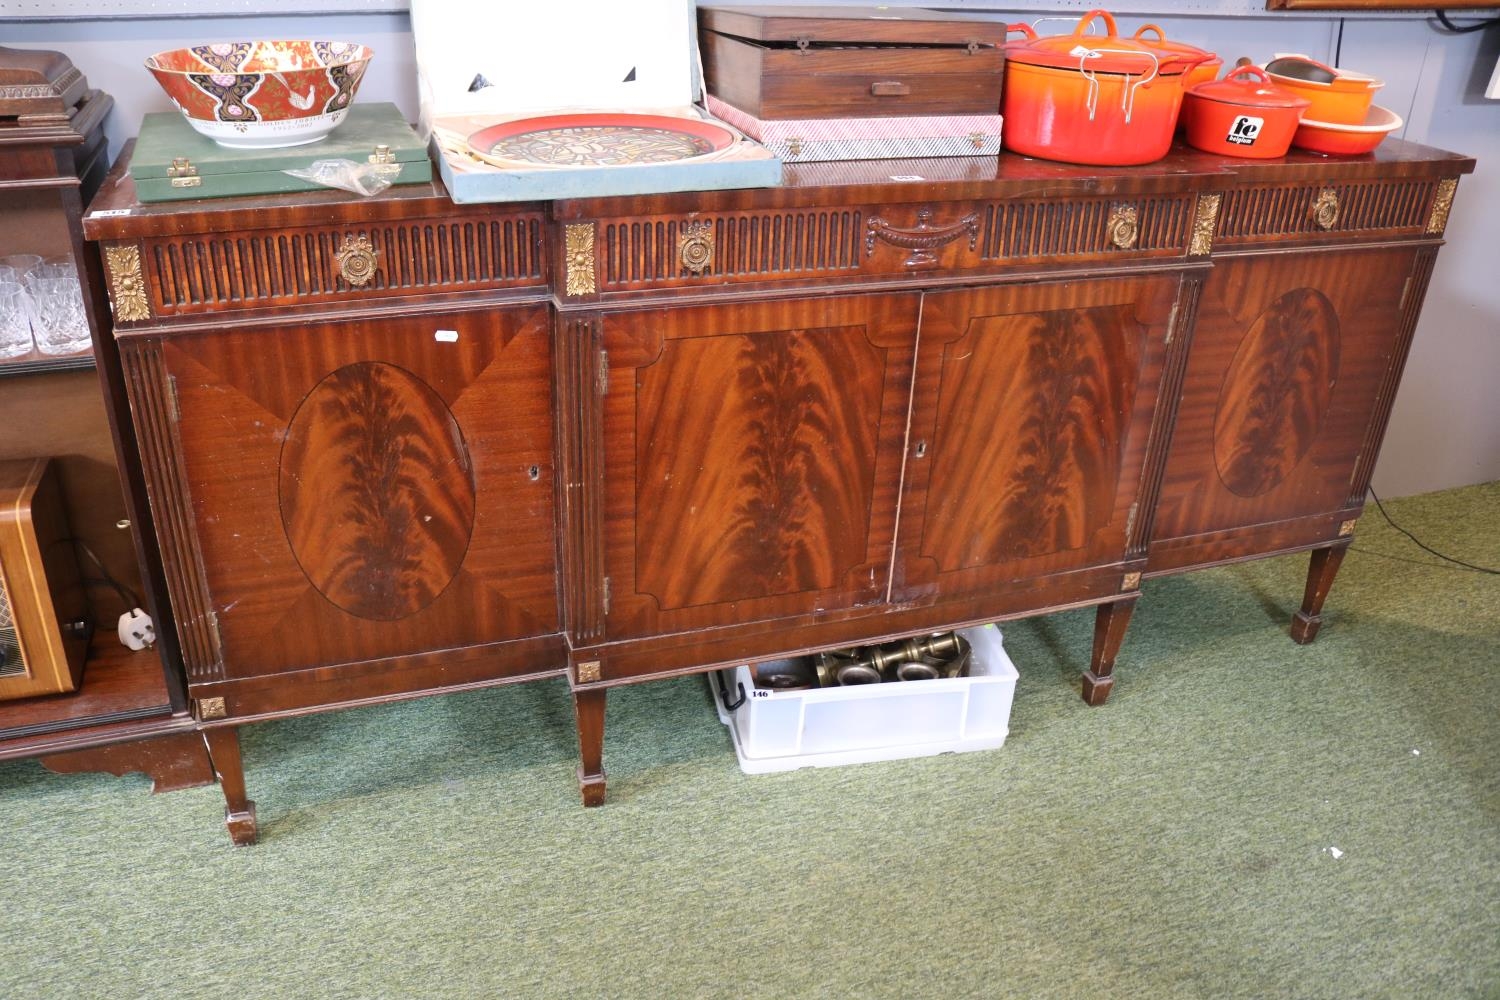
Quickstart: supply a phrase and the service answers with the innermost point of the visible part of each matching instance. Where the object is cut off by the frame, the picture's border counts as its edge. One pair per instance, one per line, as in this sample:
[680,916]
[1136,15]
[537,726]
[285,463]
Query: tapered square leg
[1321,570]
[1109,632]
[588,706]
[223,744]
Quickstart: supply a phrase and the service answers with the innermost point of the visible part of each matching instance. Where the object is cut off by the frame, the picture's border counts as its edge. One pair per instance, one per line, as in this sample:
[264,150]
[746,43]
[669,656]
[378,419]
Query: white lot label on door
[1244,130]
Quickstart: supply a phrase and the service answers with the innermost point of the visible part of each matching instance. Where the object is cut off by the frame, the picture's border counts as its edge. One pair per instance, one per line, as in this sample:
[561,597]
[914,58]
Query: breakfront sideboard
[399,446]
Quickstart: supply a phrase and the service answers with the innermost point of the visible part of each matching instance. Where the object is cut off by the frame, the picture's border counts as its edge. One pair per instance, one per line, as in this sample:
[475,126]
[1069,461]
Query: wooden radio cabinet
[399,446]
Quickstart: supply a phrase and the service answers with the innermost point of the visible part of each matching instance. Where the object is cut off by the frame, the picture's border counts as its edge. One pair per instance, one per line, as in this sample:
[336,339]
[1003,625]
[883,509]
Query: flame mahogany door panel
[1292,367]
[364,489]
[1030,420]
[752,456]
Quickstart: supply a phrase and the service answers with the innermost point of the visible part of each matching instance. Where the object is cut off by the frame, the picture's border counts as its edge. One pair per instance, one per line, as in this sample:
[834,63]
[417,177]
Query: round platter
[598,140]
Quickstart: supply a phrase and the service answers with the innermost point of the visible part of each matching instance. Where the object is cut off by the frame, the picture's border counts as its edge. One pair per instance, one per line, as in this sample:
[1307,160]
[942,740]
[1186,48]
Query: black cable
[1338,46]
[1465,29]
[1422,545]
[126,594]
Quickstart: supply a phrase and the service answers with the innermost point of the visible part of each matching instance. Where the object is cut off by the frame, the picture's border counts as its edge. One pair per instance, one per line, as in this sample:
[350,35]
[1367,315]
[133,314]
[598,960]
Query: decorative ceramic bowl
[251,95]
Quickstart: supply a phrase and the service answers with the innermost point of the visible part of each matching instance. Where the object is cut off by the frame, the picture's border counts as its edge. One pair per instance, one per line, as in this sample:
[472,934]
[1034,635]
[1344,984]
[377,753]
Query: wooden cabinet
[1299,341]
[128,711]
[632,438]
[346,429]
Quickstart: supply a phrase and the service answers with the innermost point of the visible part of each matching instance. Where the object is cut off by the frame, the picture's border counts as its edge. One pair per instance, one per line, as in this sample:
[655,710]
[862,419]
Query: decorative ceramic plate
[598,140]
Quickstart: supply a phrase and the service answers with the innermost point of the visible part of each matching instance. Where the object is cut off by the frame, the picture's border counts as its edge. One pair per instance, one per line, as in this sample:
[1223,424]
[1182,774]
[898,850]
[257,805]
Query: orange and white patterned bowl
[258,94]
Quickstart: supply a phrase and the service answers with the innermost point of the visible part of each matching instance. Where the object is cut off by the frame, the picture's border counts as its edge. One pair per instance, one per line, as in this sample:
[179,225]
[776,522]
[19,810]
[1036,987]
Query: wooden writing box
[850,62]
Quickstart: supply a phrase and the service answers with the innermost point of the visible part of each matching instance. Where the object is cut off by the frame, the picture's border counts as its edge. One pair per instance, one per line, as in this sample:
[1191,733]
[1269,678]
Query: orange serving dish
[1338,139]
[1342,101]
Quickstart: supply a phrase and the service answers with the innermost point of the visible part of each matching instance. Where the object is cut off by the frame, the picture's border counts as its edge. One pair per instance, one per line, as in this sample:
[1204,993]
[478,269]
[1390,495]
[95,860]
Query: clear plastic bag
[365,179]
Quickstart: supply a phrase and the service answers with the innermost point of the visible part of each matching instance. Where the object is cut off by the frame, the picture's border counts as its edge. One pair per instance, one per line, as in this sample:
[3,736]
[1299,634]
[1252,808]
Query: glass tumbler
[62,325]
[15,321]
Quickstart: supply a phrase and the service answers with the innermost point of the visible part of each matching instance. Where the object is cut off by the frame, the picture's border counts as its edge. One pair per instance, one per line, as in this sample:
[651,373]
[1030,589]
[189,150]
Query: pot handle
[1024,29]
[1127,97]
[1161,36]
[1088,19]
[1070,20]
[1249,72]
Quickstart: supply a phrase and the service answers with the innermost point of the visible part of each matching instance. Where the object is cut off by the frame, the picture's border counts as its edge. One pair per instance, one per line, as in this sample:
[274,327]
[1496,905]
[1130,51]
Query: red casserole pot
[1244,114]
[1096,99]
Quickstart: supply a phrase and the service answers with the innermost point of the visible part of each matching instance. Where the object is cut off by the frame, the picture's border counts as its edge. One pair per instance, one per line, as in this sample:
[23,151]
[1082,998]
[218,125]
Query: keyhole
[921,449]
[535,472]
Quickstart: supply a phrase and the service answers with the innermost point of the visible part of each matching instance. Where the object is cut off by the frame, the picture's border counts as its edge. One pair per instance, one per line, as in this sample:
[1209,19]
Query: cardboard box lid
[514,58]
[809,26]
[166,136]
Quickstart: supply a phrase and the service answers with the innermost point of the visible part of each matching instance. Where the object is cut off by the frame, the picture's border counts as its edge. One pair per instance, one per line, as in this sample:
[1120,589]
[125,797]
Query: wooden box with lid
[850,62]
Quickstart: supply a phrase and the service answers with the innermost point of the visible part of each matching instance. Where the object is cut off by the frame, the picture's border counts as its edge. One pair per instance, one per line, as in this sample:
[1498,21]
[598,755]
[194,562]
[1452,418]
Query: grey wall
[1445,430]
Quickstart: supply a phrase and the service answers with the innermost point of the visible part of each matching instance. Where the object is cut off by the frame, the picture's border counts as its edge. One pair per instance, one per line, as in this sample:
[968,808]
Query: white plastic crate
[825,727]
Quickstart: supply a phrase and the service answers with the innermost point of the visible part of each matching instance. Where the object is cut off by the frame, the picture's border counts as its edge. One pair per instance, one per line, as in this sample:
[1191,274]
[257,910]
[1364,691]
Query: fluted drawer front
[1313,212]
[916,238]
[250,270]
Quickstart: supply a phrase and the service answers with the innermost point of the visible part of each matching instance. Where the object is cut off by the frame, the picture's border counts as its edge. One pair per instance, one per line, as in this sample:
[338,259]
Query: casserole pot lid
[1107,53]
[1251,87]
[1163,45]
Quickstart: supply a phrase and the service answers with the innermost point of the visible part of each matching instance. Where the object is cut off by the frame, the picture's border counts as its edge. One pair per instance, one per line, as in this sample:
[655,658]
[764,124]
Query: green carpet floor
[1176,843]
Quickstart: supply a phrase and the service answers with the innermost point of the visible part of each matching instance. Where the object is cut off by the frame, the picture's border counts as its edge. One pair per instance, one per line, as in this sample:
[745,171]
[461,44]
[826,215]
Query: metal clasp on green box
[174,163]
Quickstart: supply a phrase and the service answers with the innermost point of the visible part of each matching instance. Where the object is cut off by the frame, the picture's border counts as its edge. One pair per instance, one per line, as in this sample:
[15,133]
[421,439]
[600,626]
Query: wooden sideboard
[398,446]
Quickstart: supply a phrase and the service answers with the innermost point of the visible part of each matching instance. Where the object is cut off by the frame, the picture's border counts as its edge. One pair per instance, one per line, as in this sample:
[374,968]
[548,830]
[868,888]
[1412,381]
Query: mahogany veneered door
[1282,387]
[1029,428]
[752,454]
[366,489]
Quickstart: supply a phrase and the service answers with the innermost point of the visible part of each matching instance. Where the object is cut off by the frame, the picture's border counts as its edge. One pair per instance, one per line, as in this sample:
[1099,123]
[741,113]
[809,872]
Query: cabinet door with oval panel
[358,490]
[1030,429]
[1293,367]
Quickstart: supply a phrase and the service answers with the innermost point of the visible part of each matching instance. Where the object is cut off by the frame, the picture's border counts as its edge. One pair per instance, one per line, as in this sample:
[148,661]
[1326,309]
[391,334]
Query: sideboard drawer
[1310,212]
[167,276]
[852,241]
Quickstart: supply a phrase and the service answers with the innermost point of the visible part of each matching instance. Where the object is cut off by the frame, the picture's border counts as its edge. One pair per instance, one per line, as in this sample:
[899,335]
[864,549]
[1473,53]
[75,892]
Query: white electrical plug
[136,629]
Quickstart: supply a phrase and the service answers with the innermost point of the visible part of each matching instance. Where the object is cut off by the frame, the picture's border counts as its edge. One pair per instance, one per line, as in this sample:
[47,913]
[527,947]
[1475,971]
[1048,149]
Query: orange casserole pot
[1244,114]
[1091,99]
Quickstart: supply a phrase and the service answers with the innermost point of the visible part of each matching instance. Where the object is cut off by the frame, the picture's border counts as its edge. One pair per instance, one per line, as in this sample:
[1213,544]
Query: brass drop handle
[890,88]
[695,246]
[1123,227]
[357,260]
[1325,210]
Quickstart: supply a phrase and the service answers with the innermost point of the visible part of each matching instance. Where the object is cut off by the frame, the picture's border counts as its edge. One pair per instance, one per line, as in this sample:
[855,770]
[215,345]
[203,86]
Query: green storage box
[208,170]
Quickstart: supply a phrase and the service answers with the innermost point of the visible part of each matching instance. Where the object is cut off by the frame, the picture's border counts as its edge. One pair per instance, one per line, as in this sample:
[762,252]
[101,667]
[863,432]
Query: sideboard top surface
[117,214]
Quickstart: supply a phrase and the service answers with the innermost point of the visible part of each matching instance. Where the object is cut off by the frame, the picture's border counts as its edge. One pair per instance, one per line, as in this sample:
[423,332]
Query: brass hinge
[1130,519]
[174,405]
[382,155]
[606,595]
[603,373]
[213,627]
[183,173]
